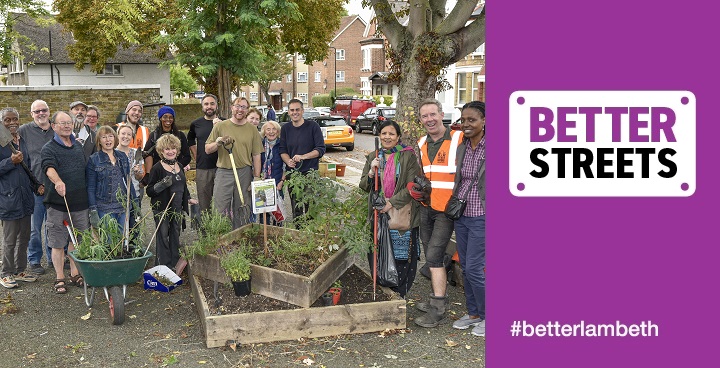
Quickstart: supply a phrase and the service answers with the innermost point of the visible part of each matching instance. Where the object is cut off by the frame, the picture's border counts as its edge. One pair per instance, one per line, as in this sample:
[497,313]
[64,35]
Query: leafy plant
[214,225]
[236,265]
[104,242]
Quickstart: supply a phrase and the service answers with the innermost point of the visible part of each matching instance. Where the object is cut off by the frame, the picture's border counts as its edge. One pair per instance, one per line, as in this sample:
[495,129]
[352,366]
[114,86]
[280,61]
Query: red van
[350,108]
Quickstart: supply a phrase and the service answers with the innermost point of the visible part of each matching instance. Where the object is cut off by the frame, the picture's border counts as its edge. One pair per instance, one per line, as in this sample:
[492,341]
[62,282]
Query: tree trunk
[224,92]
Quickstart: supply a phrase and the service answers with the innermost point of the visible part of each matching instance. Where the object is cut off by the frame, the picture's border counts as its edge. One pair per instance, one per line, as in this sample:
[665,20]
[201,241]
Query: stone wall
[111,100]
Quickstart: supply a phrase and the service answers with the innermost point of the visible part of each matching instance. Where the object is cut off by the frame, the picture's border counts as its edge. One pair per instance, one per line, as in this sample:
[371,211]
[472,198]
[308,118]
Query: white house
[43,60]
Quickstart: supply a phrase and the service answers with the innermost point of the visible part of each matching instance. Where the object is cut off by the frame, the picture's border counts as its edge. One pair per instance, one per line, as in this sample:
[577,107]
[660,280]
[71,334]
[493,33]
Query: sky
[355,7]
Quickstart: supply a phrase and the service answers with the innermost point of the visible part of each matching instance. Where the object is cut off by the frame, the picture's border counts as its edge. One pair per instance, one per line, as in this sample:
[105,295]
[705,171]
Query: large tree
[429,41]
[34,9]
[220,41]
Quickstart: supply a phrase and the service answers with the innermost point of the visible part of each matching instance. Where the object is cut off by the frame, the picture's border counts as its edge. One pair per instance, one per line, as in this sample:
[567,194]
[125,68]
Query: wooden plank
[201,303]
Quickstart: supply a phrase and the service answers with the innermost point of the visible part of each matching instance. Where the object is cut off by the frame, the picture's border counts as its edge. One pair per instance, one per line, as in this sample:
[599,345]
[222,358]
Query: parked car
[336,132]
[324,111]
[310,114]
[350,108]
[373,117]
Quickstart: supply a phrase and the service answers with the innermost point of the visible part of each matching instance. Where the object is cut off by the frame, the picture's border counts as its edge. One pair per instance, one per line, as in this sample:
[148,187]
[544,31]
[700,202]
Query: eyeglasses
[64,123]
[241,107]
[91,117]
[41,111]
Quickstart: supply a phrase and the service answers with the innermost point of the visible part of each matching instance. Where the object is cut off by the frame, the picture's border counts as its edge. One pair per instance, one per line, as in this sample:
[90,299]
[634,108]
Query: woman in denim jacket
[107,172]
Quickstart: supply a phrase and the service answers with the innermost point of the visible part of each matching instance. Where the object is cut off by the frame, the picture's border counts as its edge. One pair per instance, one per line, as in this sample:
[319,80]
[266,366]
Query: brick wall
[111,100]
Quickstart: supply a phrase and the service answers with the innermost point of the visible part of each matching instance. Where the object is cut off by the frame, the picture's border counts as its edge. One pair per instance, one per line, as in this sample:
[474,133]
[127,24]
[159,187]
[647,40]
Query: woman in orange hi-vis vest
[437,155]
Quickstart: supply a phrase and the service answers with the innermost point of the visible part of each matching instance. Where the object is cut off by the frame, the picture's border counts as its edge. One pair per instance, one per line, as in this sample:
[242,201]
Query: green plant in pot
[237,266]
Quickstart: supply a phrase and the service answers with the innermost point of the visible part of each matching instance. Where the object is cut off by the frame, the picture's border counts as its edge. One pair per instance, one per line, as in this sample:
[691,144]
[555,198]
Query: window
[289,78]
[243,94]
[112,69]
[302,97]
[302,77]
[340,76]
[340,54]
[318,76]
[367,59]
[288,96]
[300,57]
[461,88]
[366,88]
[316,94]
[253,96]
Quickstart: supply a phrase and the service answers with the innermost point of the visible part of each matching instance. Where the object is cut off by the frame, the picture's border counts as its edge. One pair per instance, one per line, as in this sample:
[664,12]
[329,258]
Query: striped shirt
[469,171]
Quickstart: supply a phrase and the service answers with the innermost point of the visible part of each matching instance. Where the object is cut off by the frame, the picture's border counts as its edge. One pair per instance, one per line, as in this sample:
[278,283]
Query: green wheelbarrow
[111,274]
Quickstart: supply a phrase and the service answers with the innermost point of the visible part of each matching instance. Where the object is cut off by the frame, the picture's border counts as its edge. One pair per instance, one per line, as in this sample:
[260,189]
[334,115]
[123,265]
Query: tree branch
[437,7]
[418,23]
[384,16]
[470,37]
[458,17]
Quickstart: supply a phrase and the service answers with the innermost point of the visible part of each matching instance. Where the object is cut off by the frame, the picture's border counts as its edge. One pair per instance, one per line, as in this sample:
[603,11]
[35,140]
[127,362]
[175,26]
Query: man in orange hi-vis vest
[437,153]
[133,112]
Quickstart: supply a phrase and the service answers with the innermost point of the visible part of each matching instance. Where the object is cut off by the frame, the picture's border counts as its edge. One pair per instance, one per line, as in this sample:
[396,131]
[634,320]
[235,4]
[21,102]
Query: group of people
[454,164]
[129,159]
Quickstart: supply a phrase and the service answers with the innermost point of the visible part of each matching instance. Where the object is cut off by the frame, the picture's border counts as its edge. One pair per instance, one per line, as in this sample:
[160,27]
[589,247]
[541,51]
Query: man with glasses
[89,130]
[246,149]
[35,134]
[63,161]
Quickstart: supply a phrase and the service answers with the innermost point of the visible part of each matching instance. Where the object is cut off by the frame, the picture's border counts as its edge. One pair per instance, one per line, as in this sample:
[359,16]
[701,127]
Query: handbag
[455,207]
[400,218]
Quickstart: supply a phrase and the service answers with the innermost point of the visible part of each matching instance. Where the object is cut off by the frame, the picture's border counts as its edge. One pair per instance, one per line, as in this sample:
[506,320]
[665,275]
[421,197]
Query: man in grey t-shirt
[35,134]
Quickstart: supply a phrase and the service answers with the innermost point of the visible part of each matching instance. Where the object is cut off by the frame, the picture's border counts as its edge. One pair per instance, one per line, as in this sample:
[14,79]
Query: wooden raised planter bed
[288,287]
[258,327]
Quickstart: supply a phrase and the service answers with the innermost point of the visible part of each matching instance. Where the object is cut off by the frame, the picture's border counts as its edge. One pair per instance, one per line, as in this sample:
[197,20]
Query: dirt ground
[163,329]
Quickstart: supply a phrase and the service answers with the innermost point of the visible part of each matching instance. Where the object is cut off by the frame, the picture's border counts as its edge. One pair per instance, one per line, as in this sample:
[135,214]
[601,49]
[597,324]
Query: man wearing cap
[133,112]
[35,134]
[205,164]
[78,109]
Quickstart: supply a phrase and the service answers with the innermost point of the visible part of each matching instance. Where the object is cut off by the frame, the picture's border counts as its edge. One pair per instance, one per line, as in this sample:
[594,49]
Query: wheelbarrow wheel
[117,305]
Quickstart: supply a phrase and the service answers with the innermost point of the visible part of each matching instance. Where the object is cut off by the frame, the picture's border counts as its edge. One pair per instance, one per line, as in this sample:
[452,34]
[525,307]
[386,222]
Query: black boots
[435,313]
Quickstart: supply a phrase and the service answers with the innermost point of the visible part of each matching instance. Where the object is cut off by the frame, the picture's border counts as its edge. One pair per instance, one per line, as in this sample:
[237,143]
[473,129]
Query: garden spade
[6,139]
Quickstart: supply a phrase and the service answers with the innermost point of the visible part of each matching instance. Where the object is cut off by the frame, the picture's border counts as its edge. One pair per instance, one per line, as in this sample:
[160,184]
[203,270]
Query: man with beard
[205,164]
[78,109]
[246,149]
[35,134]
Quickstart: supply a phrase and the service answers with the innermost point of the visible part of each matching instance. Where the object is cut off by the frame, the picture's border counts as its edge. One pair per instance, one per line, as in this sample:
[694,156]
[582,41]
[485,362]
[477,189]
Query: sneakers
[479,329]
[8,282]
[36,269]
[465,322]
[27,277]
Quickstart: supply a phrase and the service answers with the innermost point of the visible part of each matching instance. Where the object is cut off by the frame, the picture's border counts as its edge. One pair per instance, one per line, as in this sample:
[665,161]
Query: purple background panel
[604,259]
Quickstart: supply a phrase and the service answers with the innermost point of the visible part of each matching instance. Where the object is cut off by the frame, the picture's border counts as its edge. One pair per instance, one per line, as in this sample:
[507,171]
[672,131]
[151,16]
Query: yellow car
[336,132]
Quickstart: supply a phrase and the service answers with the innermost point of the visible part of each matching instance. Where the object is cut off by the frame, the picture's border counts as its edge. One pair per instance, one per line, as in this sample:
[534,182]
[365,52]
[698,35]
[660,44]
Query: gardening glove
[415,192]
[94,218]
[163,184]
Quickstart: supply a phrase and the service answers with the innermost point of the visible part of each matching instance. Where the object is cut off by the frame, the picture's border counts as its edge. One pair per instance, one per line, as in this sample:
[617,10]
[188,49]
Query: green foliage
[236,265]
[104,243]
[335,215]
[180,81]
[322,100]
[34,9]
[387,99]
[214,226]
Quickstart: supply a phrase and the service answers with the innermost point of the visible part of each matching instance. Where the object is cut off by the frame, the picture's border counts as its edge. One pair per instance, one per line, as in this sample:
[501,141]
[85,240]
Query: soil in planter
[356,285]
[303,265]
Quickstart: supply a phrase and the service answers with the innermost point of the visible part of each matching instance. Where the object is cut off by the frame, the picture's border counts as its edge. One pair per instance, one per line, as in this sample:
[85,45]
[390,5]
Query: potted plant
[237,267]
[336,291]
[327,299]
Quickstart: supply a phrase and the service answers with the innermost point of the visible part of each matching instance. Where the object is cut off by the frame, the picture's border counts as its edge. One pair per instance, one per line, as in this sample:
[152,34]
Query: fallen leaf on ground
[390,356]
[450,343]
[308,361]
[233,346]
[86,317]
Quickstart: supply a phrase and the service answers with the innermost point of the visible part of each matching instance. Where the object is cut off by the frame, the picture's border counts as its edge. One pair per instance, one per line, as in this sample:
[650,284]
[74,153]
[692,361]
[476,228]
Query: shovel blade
[5,136]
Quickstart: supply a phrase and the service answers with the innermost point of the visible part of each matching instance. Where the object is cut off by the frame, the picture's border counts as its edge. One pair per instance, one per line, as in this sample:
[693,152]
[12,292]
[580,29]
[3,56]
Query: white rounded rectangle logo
[602,143]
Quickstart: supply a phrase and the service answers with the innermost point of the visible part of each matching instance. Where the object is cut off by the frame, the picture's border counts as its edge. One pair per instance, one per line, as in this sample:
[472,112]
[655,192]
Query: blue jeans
[119,217]
[470,237]
[35,245]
